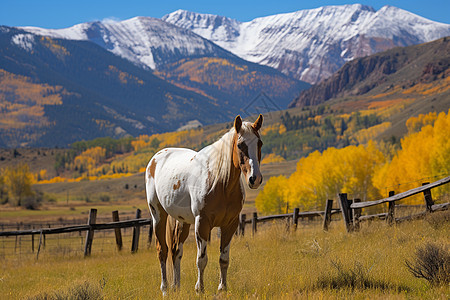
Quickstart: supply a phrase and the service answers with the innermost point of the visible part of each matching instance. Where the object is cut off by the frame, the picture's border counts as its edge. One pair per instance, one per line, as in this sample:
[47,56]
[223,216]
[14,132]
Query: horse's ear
[258,123]
[238,123]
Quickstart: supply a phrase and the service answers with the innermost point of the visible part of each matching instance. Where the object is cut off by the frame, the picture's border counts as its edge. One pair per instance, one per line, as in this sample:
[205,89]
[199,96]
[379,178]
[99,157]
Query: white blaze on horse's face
[248,151]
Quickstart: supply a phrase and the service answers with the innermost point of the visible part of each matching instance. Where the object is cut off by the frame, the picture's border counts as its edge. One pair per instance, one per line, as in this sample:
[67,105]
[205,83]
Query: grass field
[275,264]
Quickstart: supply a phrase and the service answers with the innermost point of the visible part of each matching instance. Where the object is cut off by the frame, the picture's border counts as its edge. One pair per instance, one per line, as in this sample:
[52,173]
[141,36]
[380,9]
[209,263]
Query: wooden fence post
[254,223]
[428,199]
[350,210]
[32,242]
[242,224]
[90,233]
[327,214]
[136,232]
[346,212]
[118,233]
[39,247]
[391,210]
[295,217]
[356,215]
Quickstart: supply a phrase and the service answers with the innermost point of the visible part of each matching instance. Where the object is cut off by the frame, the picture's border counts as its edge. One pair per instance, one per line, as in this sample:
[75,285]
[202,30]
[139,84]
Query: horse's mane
[221,154]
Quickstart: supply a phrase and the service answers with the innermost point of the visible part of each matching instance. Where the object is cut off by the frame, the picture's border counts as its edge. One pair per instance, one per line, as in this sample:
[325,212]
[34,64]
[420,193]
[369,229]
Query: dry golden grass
[275,264]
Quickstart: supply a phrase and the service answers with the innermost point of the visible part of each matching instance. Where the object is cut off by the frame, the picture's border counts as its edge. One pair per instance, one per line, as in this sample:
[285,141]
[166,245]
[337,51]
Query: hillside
[392,71]
[54,92]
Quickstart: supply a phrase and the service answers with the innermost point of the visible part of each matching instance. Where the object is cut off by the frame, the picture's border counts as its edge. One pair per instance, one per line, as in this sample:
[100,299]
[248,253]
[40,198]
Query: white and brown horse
[202,188]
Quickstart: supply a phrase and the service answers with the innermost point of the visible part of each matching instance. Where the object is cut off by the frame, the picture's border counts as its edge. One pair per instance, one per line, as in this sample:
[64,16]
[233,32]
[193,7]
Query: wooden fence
[136,223]
[350,209]
[90,227]
[295,216]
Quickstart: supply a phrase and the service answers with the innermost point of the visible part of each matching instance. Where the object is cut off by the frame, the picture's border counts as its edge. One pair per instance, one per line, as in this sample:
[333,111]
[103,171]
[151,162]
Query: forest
[365,171]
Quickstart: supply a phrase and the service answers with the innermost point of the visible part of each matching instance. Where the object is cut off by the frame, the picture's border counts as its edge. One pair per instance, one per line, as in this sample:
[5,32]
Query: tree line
[364,171]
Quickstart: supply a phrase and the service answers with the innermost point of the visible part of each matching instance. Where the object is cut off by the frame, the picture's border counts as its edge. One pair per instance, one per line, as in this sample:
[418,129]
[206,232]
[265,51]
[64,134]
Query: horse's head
[247,150]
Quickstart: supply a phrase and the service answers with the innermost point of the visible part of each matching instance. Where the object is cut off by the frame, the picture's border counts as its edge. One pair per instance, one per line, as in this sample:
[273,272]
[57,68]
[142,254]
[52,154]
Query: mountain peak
[312,44]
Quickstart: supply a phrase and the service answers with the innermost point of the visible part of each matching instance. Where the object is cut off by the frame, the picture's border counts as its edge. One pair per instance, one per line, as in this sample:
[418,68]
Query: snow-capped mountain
[313,44]
[309,45]
[147,42]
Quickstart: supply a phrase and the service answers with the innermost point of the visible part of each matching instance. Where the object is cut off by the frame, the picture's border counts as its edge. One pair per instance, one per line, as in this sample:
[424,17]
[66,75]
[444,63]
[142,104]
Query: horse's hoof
[164,290]
[199,288]
[222,288]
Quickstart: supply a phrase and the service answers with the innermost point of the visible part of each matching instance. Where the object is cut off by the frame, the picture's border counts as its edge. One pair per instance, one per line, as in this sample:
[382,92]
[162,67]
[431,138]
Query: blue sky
[66,13]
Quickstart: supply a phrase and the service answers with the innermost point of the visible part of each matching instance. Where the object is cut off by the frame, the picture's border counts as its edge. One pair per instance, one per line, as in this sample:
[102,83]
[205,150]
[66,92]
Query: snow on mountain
[145,41]
[25,41]
[313,44]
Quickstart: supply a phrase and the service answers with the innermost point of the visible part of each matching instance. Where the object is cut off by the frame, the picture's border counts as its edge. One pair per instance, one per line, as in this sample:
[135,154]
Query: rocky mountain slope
[405,67]
[313,44]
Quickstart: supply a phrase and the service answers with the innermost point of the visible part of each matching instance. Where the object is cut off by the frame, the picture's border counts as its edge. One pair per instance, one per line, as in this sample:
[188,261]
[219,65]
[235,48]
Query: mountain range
[309,45]
[312,44]
[147,75]
[54,92]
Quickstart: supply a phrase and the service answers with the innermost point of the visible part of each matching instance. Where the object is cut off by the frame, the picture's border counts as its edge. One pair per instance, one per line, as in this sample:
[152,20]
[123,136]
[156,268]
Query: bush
[30,203]
[432,262]
[33,202]
[81,291]
[357,277]
[105,198]
[439,219]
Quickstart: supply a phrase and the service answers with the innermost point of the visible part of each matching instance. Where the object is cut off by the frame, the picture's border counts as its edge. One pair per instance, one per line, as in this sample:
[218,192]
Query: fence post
[350,210]
[356,215]
[428,199]
[40,243]
[327,214]
[295,217]
[345,211]
[242,224]
[254,223]
[90,233]
[32,242]
[391,210]
[136,231]
[118,233]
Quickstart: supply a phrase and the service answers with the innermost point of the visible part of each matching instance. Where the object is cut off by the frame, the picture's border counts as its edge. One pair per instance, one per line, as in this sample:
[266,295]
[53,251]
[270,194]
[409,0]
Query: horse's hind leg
[180,234]
[161,247]
[159,217]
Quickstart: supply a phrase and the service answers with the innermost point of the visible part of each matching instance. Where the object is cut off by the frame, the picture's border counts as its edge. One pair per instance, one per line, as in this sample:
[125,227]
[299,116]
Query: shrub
[438,220]
[33,202]
[357,277]
[105,198]
[432,262]
[80,291]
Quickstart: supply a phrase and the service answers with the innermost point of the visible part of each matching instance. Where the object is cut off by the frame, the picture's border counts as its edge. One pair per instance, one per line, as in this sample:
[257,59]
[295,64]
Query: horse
[203,188]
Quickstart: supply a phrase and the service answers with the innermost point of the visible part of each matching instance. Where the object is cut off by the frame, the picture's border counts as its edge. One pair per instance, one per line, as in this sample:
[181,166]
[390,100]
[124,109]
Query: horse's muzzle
[254,181]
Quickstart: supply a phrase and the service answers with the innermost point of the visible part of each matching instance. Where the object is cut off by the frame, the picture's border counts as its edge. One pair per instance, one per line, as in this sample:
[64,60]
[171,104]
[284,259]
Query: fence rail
[351,209]
[412,192]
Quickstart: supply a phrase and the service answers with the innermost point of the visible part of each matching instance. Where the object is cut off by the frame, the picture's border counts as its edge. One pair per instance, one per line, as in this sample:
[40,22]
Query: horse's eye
[243,147]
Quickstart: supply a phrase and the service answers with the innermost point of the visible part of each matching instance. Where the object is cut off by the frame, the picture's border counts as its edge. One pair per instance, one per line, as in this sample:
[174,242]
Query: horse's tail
[170,240]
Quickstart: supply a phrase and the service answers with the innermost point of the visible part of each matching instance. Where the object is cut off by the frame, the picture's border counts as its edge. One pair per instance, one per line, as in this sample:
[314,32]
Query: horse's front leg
[202,230]
[226,234]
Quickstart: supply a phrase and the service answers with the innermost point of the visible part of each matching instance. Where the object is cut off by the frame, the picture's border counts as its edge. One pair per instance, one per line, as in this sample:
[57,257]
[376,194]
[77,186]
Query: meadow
[274,264]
